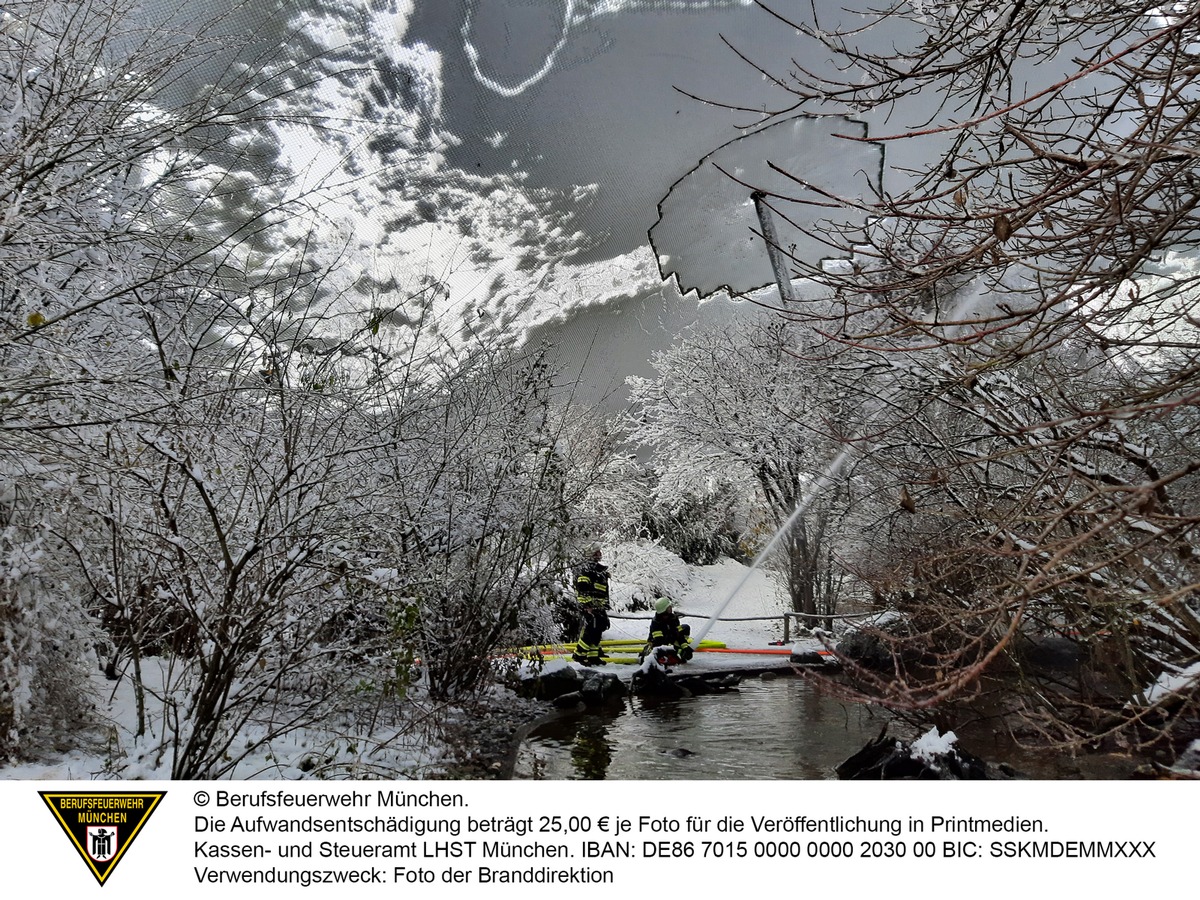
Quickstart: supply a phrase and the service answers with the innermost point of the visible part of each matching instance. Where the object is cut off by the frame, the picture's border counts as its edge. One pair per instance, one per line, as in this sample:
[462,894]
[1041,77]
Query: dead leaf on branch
[1002,228]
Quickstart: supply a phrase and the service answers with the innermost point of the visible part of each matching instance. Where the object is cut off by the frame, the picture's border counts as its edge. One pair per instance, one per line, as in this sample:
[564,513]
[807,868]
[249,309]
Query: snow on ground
[1168,683]
[751,605]
[396,744]
[704,589]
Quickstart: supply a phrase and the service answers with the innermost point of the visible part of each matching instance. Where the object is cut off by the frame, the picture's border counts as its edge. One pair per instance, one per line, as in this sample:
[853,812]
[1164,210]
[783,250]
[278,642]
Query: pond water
[780,728]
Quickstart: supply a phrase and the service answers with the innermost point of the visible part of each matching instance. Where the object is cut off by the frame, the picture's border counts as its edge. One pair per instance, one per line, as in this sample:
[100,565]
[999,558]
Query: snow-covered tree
[250,495]
[88,267]
[739,404]
[1031,279]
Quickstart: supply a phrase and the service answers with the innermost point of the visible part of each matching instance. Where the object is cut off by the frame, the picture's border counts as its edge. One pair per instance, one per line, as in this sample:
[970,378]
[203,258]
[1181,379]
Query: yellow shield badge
[102,824]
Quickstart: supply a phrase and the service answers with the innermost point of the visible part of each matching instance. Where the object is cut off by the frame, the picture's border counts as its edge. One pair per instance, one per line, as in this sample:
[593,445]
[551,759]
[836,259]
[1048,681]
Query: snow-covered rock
[932,756]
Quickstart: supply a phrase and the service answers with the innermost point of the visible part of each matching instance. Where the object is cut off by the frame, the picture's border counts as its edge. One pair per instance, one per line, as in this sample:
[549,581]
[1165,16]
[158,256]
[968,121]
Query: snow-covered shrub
[477,514]
[153,475]
[698,527]
[77,179]
[45,648]
[641,571]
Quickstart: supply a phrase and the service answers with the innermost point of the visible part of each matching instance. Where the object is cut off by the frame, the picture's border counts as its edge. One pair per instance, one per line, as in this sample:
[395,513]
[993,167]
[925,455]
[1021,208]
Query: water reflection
[780,728]
[591,751]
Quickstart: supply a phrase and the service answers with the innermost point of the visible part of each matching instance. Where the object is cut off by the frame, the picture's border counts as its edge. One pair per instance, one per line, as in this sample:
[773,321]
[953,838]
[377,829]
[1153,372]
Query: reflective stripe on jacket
[591,586]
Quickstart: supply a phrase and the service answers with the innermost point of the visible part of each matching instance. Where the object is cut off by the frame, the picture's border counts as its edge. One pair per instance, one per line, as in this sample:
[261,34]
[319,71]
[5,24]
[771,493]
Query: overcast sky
[590,99]
[608,112]
[579,92]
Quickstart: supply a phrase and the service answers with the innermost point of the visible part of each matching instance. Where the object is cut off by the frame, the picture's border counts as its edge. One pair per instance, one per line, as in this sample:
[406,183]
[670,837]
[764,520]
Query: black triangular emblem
[102,824]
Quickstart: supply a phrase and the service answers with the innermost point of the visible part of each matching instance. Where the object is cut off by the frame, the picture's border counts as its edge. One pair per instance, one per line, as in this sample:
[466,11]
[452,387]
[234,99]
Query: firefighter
[591,589]
[667,631]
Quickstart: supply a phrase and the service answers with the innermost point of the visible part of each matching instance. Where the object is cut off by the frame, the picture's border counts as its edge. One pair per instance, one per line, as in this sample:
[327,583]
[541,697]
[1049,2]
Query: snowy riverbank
[410,737]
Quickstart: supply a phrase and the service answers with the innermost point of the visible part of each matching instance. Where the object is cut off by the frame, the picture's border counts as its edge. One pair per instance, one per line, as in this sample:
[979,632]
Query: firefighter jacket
[591,585]
[665,629]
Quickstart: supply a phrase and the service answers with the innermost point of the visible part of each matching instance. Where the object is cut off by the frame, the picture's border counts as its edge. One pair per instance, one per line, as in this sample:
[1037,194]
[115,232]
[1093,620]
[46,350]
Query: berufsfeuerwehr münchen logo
[102,824]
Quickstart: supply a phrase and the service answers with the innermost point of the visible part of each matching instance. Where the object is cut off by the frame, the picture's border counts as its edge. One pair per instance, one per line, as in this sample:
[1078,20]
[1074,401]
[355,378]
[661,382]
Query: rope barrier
[787,619]
[696,616]
[757,618]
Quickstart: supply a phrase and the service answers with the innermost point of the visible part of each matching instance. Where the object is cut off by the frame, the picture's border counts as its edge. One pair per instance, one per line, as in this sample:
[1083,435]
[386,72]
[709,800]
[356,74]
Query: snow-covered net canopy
[708,235]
